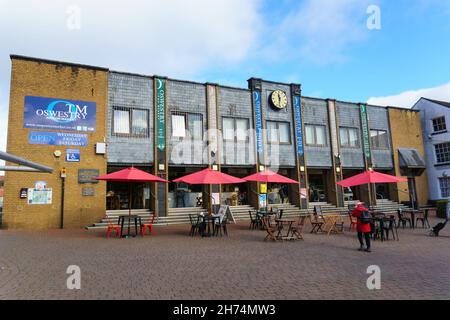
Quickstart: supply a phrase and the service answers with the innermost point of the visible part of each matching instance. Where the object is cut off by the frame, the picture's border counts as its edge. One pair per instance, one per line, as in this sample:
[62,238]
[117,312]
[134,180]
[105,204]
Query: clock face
[279,99]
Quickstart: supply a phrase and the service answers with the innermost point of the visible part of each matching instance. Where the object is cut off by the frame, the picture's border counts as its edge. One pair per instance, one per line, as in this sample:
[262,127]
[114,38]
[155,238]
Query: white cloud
[321,30]
[408,98]
[176,38]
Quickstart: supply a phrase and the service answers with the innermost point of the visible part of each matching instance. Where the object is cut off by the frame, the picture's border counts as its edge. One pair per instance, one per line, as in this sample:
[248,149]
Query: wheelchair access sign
[73,155]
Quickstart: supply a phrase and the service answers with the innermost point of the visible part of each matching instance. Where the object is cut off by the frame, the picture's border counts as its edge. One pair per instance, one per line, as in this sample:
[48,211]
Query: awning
[411,162]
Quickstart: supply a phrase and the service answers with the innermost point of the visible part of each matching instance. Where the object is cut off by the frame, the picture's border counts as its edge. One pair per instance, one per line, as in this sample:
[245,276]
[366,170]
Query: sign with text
[73,155]
[59,114]
[58,139]
[39,196]
[298,125]
[88,175]
[365,127]
[160,114]
[258,124]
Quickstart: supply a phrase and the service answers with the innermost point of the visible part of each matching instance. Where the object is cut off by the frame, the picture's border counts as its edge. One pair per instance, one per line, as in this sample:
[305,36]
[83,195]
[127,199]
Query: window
[442,152]
[278,132]
[444,184]
[439,125]
[315,135]
[130,122]
[379,139]
[349,137]
[235,129]
[189,122]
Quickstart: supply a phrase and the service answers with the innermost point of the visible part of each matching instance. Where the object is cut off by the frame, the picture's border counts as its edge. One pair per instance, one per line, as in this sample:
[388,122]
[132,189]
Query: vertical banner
[298,125]
[258,126]
[160,165]
[161,114]
[365,128]
[301,163]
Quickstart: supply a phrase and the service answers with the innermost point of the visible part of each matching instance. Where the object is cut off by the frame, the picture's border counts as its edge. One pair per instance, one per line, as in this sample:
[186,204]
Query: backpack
[365,217]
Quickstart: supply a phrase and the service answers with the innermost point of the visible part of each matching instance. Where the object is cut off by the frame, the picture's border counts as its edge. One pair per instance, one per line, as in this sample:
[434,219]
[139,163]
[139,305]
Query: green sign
[161,114]
[365,128]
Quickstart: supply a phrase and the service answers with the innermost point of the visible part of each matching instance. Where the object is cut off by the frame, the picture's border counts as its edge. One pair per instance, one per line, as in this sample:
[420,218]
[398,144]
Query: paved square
[172,265]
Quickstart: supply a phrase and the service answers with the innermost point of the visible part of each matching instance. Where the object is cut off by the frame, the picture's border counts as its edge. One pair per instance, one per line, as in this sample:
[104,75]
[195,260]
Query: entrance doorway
[317,186]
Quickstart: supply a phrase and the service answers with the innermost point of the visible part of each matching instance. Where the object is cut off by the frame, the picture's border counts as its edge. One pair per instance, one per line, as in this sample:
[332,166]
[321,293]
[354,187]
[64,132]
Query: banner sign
[365,127]
[59,114]
[58,139]
[258,122]
[73,155]
[161,114]
[298,122]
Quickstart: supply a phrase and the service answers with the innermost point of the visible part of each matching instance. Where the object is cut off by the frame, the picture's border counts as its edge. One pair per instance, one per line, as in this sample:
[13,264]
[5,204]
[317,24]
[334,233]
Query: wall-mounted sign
[298,124]
[263,200]
[40,185]
[258,123]
[43,196]
[23,193]
[58,139]
[278,99]
[59,114]
[73,155]
[88,175]
[88,192]
[160,114]
[263,187]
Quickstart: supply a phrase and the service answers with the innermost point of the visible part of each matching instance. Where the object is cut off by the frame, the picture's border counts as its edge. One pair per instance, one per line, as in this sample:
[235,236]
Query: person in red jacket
[363,226]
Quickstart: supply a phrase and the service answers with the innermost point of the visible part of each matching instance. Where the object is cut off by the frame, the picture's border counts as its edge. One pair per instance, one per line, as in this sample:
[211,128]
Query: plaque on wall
[88,175]
[88,192]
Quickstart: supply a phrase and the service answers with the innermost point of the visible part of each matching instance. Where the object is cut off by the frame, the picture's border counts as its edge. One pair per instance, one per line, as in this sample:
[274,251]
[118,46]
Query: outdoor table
[209,221]
[289,234]
[412,214]
[129,218]
[330,223]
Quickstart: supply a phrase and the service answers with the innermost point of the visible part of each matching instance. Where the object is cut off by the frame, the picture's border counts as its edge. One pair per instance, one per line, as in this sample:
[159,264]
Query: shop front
[236,194]
[182,195]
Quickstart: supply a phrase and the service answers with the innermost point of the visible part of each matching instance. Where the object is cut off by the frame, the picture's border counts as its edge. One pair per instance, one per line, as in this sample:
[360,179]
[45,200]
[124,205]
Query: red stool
[112,227]
[148,226]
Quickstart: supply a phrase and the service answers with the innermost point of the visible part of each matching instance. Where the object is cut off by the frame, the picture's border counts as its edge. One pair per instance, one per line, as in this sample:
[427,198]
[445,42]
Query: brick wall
[51,80]
[406,132]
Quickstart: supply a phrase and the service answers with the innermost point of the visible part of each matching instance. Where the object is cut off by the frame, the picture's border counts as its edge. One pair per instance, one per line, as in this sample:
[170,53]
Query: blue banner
[58,139]
[258,123]
[298,122]
[59,114]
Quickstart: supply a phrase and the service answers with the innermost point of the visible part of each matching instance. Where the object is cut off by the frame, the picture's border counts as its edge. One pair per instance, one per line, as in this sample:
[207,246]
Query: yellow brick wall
[64,82]
[406,130]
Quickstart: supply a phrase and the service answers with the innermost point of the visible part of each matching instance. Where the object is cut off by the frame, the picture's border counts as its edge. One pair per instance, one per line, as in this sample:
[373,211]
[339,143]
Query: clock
[279,99]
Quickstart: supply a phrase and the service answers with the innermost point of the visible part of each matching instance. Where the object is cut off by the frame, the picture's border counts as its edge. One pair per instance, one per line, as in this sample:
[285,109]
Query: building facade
[172,128]
[436,140]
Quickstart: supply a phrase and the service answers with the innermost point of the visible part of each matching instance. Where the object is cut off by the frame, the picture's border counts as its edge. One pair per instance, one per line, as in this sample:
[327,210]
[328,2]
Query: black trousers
[367,238]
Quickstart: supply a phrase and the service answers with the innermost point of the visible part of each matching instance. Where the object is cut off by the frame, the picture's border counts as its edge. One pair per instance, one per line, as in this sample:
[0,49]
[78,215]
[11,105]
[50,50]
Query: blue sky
[323,44]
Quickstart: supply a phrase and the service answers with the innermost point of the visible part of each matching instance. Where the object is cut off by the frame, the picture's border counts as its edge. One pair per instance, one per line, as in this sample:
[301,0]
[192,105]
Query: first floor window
[439,125]
[315,135]
[442,152]
[444,184]
[349,137]
[235,129]
[278,132]
[188,122]
[130,122]
[379,139]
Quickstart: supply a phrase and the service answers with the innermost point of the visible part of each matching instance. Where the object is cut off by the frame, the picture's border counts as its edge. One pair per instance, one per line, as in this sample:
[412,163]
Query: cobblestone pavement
[172,265]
